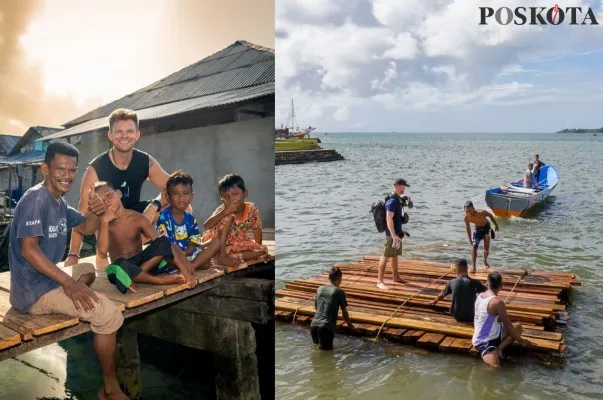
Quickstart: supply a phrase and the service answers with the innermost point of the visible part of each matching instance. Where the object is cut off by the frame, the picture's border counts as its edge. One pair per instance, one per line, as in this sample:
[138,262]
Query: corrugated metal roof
[32,157]
[164,110]
[238,66]
[7,142]
[32,134]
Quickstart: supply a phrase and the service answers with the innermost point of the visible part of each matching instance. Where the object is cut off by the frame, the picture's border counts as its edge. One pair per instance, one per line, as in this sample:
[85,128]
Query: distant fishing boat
[515,200]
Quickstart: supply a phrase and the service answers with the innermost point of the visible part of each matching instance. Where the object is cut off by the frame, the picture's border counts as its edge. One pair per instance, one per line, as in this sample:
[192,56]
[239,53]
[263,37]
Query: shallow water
[322,217]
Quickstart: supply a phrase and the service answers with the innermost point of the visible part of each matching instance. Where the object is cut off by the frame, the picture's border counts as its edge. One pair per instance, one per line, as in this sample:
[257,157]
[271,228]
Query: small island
[581,130]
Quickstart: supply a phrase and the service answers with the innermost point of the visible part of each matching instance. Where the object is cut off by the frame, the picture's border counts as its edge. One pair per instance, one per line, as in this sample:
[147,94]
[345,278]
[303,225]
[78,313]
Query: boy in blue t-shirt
[181,227]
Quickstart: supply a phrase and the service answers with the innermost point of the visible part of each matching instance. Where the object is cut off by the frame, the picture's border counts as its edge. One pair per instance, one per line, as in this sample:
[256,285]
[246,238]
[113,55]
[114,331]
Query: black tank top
[129,181]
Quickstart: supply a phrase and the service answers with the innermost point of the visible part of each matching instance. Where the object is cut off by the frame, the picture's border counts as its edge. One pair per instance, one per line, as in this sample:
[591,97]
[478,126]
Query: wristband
[73,255]
[157,203]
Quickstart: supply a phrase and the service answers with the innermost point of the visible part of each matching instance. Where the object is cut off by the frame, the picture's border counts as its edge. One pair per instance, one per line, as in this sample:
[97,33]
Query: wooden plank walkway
[537,299]
[20,333]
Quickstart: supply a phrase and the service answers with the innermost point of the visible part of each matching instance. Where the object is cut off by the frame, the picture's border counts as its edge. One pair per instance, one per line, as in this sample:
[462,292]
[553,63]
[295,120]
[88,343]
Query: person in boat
[536,169]
[328,300]
[489,337]
[393,234]
[38,239]
[482,230]
[528,179]
[464,290]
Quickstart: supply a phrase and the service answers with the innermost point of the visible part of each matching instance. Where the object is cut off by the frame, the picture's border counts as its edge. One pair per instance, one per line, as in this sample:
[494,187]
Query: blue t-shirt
[183,234]
[37,214]
[393,205]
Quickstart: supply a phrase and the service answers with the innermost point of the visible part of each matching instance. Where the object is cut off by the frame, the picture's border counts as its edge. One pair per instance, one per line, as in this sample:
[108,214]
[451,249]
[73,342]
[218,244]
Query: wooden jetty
[216,316]
[538,300]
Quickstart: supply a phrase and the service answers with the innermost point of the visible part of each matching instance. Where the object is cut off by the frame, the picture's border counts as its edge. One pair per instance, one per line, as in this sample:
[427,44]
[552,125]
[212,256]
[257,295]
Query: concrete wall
[245,148]
[306,156]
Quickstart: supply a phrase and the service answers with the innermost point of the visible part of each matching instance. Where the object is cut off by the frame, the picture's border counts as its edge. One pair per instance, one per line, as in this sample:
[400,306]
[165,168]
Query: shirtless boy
[119,236]
[479,218]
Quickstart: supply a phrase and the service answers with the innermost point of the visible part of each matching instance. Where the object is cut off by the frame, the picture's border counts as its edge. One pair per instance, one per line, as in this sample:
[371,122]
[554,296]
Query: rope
[518,279]
[406,301]
[365,271]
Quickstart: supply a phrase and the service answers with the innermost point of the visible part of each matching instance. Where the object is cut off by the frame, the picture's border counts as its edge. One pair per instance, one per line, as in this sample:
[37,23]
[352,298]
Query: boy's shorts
[123,271]
[388,250]
[198,250]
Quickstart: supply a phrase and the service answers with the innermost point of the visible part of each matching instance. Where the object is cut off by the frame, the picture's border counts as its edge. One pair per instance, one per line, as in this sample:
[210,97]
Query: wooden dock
[20,333]
[537,300]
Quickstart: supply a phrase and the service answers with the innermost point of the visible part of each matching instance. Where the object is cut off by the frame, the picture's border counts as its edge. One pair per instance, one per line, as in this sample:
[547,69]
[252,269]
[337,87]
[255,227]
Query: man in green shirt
[328,300]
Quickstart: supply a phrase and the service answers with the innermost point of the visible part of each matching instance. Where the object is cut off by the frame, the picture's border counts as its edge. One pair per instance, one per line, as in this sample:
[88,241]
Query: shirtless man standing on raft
[479,218]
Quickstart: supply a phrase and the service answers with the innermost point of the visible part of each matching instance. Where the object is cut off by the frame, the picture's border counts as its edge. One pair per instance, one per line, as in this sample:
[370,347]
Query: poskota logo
[554,15]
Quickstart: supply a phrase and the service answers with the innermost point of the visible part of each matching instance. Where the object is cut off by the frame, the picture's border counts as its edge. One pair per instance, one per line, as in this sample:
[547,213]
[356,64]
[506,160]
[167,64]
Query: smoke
[23,101]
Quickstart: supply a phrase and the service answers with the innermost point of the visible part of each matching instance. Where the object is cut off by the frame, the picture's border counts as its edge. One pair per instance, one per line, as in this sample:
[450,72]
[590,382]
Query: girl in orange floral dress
[246,219]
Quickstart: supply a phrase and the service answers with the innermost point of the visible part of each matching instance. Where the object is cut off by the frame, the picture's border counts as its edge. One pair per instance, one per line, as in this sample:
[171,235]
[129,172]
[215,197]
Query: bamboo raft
[20,333]
[537,299]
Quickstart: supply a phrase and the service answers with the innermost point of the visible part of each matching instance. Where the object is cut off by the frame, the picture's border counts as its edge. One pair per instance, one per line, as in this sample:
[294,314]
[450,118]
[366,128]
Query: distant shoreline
[581,130]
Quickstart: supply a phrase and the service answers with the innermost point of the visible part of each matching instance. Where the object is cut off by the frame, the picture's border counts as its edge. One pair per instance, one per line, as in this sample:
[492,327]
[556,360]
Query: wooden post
[128,363]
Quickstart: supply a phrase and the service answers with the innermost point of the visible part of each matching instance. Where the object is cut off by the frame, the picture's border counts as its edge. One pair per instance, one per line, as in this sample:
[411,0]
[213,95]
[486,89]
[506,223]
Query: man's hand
[71,260]
[95,204]
[525,343]
[82,296]
[396,241]
[496,228]
[433,303]
[471,241]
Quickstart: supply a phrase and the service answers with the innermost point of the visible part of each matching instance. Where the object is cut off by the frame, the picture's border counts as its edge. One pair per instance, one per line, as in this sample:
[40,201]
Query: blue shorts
[490,345]
[479,233]
[198,250]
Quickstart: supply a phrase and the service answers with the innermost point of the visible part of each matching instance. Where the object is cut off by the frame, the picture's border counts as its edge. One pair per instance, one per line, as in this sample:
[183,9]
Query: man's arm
[81,295]
[468,227]
[389,217]
[89,179]
[447,290]
[493,219]
[503,317]
[346,317]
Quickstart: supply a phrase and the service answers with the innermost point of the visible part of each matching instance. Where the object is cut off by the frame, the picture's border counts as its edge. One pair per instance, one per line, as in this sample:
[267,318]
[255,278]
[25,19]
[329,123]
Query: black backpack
[378,211]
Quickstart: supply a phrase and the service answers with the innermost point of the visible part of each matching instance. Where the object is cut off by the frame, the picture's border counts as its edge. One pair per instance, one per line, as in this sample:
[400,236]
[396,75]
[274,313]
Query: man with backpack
[393,233]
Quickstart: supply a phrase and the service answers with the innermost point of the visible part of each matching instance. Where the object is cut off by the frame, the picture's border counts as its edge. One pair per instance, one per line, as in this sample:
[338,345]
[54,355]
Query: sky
[428,66]
[62,58]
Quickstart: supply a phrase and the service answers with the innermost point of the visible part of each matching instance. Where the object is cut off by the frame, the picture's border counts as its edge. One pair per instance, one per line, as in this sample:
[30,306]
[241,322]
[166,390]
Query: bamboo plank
[28,325]
[445,344]
[411,336]
[431,340]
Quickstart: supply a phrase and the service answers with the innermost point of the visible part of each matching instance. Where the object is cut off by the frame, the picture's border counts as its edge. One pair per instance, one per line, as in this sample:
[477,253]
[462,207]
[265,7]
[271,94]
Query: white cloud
[416,55]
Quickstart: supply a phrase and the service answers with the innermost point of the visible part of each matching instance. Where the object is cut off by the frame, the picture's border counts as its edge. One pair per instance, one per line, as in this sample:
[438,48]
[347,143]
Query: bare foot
[171,278]
[486,264]
[382,286]
[474,270]
[399,280]
[225,259]
[132,287]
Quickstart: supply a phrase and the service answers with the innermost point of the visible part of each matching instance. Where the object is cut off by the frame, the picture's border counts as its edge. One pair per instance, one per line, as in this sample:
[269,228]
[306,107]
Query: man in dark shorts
[489,337]
[463,289]
[126,168]
[393,234]
[329,298]
[482,230]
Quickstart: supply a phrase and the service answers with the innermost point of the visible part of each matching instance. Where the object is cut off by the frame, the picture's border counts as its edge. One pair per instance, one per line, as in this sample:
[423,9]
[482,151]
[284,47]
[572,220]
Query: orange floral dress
[238,239]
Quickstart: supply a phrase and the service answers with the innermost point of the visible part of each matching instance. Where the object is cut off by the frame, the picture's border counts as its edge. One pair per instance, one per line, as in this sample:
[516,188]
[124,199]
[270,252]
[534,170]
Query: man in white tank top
[489,337]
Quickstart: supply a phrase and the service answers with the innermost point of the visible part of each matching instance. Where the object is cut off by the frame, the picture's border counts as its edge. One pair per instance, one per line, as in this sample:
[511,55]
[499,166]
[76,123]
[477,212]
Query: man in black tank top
[126,168]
